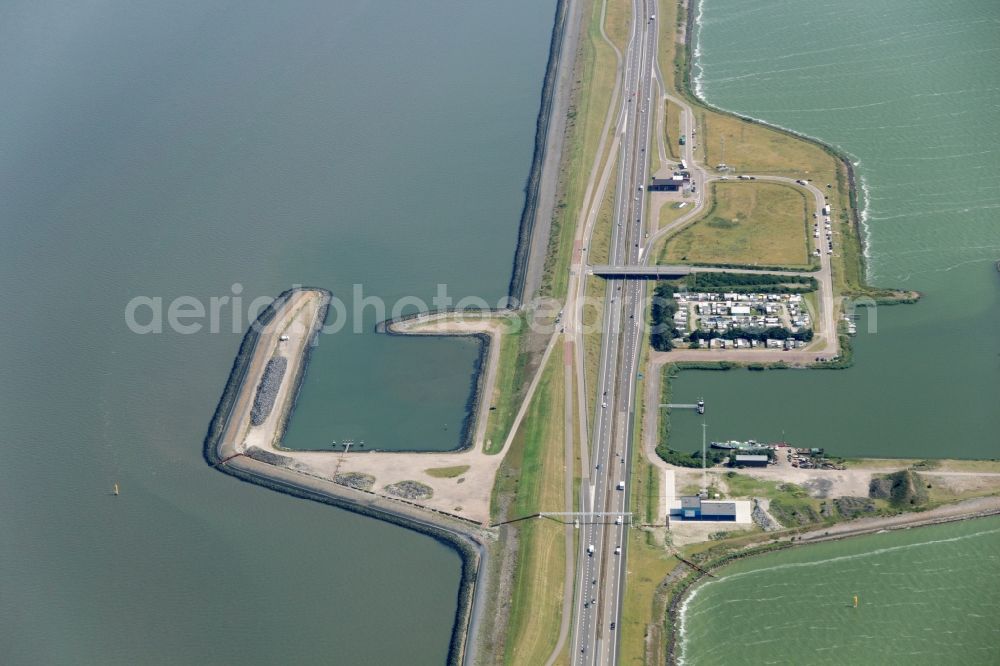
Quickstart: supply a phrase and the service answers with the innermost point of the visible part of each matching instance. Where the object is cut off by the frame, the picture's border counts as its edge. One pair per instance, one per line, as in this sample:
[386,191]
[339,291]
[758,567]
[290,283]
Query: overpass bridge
[643,272]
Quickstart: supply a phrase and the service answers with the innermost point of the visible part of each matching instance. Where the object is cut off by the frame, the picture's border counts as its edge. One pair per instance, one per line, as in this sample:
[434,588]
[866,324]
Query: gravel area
[411,490]
[355,480]
[763,518]
[267,391]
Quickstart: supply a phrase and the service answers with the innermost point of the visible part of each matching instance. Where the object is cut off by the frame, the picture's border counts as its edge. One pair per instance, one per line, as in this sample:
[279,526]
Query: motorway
[677,270]
[600,577]
[602,547]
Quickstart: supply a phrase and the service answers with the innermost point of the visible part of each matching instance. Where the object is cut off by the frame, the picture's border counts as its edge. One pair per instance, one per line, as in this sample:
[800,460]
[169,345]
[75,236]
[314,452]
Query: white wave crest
[697,71]
[866,232]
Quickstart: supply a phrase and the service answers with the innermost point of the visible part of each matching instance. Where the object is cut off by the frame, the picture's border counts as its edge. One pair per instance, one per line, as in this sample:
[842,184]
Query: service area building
[693,507]
[673,184]
[696,508]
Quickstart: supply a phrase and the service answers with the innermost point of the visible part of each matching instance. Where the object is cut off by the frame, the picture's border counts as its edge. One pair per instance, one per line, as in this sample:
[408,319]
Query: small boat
[855,601]
[734,445]
[114,491]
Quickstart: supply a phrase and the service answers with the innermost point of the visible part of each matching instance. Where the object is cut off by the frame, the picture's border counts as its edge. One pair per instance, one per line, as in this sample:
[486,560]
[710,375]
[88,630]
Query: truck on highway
[621,485]
[590,549]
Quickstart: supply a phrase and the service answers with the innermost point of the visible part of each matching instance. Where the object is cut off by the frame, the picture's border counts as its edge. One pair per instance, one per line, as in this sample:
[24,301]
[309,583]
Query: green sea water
[168,149]
[910,90]
[925,596]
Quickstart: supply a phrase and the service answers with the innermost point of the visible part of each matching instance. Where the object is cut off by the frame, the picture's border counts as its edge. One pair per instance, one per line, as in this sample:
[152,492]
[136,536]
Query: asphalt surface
[603,543]
[600,581]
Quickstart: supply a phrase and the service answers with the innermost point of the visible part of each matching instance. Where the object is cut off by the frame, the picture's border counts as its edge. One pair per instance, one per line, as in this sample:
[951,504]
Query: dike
[515,289]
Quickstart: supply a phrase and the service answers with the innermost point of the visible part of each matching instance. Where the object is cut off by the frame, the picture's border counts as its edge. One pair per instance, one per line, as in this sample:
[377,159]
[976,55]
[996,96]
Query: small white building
[695,508]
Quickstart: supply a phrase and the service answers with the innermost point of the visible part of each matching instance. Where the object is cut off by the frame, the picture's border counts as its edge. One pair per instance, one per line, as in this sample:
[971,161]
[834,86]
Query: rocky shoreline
[865,526]
[526,238]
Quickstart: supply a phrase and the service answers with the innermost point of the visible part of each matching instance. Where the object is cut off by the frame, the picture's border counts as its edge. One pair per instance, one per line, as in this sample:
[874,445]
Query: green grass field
[671,211]
[447,472]
[509,382]
[750,223]
[595,77]
[534,470]
[616,21]
[790,503]
[673,131]
[599,250]
[644,604]
[754,148]
[592,318]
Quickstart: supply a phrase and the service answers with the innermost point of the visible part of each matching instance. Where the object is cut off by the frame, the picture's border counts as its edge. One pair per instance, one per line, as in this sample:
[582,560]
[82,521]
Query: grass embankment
[644,603]
[510,384]
[749,223]
[532,475]
[671,24]
[672,130]
[599,248]
[929,466]
[594,74]
[672,210]
[593,318]
[447,472]
[616,21]
[754,148]
[939,476]
[644,606]
[790,503]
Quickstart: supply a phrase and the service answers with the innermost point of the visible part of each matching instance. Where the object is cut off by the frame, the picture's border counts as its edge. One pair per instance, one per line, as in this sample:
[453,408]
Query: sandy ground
[684,534]
[467,495]
[819,483]
[294,319]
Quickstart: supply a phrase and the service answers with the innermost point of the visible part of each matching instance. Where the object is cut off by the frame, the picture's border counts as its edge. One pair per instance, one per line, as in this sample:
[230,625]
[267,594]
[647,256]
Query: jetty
[697,406]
